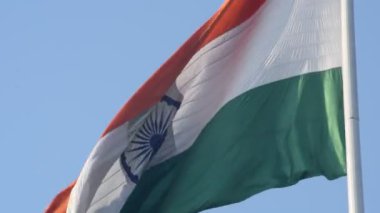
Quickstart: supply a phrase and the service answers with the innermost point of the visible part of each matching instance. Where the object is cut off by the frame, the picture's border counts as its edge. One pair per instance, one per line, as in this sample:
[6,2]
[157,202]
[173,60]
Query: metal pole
[351,114]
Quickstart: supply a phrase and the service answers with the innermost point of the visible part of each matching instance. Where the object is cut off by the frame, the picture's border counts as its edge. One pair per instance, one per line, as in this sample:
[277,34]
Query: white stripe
[285,38]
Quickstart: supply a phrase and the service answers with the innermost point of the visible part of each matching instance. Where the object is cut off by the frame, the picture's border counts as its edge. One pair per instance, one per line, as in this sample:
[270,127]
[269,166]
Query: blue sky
[66,68]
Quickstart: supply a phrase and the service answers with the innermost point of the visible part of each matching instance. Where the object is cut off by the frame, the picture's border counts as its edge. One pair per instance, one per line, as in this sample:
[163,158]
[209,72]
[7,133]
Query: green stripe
[271,136]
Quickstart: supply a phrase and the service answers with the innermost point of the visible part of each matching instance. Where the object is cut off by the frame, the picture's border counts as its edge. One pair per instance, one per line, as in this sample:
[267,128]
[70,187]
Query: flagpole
[351,112]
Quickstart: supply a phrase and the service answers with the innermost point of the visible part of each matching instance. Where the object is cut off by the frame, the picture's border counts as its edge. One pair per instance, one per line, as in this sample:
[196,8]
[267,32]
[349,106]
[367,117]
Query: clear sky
[67,67]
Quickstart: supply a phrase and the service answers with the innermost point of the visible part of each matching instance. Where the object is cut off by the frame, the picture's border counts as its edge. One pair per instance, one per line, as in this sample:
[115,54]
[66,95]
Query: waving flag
[252,101]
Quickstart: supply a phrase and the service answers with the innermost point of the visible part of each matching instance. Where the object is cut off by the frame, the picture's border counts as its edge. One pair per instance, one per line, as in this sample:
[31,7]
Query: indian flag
[252,101]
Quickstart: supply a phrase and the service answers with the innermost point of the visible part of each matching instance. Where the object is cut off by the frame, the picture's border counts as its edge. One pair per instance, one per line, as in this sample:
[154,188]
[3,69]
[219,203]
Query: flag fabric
[252,101]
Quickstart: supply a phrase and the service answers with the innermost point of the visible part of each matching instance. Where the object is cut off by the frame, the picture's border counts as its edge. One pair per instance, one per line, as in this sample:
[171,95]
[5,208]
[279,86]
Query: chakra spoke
[148,123]
[156,127]
[151,122]
[157,130]
[146,146]
[141,137]
[143,132]
[141,153]
[166,123]
[145,157]
[161,119]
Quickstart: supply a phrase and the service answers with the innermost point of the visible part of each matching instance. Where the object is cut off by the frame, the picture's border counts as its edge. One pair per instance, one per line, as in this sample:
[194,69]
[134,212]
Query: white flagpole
[351,113]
